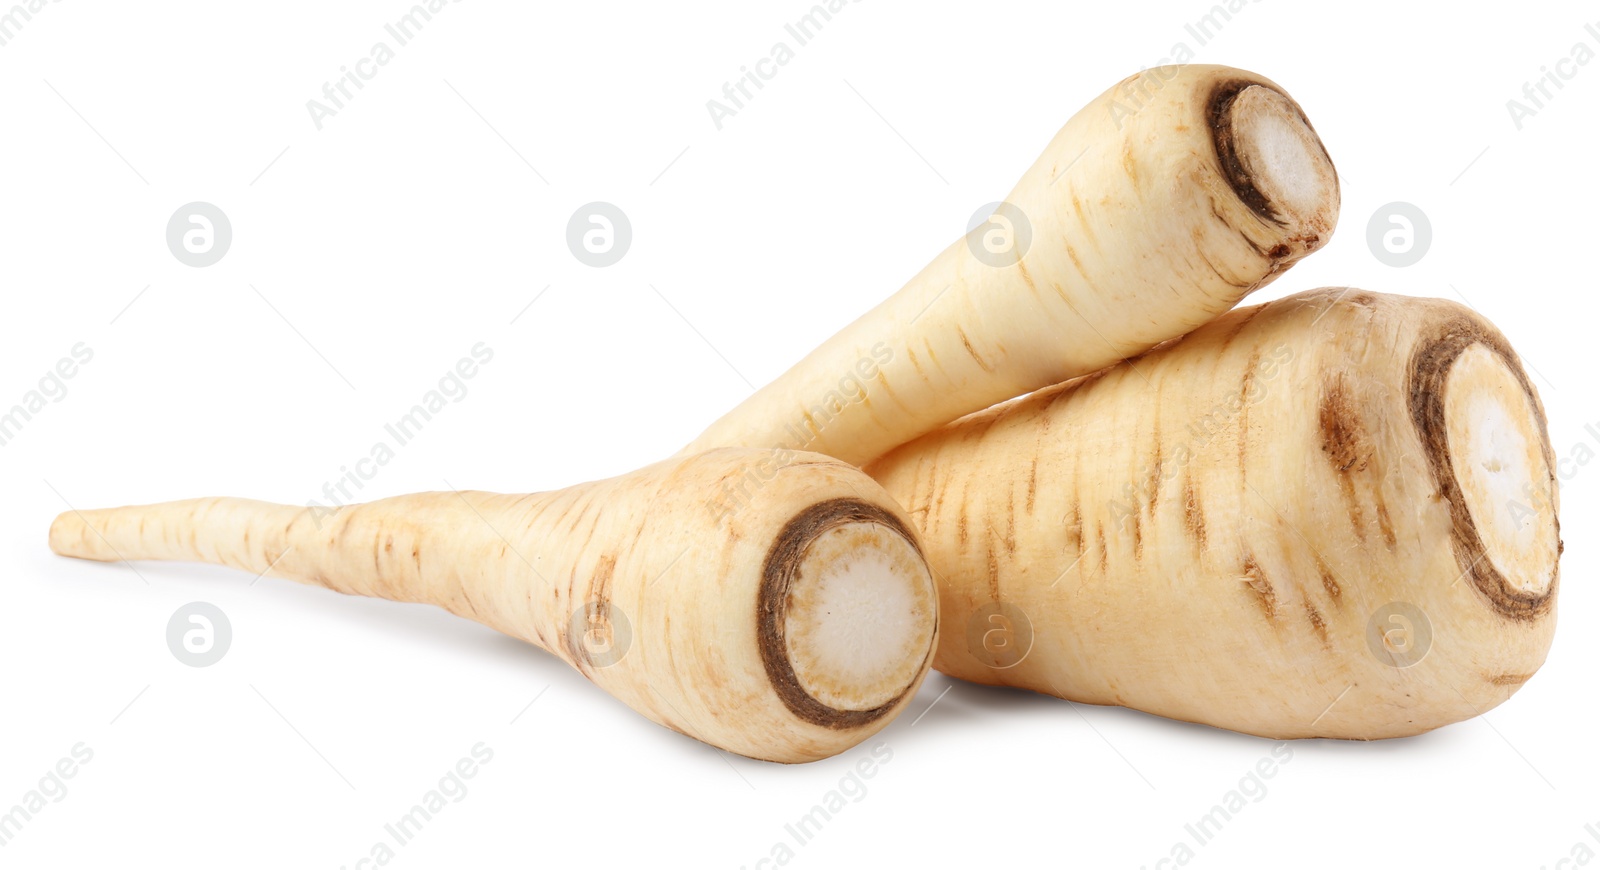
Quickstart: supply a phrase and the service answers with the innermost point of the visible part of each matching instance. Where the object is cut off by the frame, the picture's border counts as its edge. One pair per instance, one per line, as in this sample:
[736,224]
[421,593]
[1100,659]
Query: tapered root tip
[71,535]
[1275,162]
[848,614]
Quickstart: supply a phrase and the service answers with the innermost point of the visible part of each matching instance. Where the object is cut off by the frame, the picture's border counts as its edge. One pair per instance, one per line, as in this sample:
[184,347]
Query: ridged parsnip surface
[1332,515]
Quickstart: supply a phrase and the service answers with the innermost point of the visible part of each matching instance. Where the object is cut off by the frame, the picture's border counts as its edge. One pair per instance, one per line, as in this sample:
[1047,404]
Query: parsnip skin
[729,613]
[1156,207]
[1214,531]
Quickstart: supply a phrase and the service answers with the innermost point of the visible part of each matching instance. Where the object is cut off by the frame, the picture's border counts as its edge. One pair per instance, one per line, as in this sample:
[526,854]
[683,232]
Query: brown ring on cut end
[804,580]
[1463,475]
[1273,159]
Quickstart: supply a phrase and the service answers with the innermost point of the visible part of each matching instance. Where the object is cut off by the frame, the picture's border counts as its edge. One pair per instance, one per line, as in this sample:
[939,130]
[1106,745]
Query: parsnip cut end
[860,616]
[1497,457]
[1281,157]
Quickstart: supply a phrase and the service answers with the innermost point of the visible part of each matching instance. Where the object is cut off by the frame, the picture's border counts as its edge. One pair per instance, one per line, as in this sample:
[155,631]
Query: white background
[385,245]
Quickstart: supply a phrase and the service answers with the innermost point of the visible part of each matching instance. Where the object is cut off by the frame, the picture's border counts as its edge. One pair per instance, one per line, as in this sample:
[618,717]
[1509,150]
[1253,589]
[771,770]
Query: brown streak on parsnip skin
[466,598]
[593,527]
[1386,525]
[1346,442]
[1076,526]
[600,586]
[1245,383]
[1329,584]
[566,510]
[1076,264]
[1508,679]
[1010,536]
[583,511]
[1026,278]
[1427,372]
[1194,520]
[943,490]
[1207,260]
[1256,581]
[1344,436]
[1155,465]
[1033,482]
[1077,502]
[1254,246]
[1248,379]
[883,381]
[1077,538]
[1083,219]
[967,343]
[1318,623]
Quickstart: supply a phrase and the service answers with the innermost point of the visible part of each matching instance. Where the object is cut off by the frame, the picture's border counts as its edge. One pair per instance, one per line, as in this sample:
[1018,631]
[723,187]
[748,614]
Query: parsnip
[1157,207]
[1332,515]
[789,629]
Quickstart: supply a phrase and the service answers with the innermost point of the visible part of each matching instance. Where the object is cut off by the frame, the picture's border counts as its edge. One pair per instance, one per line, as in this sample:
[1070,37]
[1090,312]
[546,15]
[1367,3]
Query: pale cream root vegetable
[1332,515]
[1157,207]
[788,627]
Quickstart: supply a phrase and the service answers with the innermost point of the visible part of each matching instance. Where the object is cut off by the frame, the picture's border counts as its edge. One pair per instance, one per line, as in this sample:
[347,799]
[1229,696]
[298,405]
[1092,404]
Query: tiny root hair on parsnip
[1333,515]
[1157,207]
[789,627]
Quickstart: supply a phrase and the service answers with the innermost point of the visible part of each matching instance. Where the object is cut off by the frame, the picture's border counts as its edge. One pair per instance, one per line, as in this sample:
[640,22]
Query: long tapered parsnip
[788,628]
[1157,207]
[1332,515]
